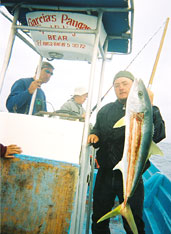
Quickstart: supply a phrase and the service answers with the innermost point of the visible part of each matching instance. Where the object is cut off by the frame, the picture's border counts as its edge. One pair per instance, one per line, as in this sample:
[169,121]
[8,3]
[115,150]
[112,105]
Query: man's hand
[34,85]
[83,115]
[92,138]
[12,149]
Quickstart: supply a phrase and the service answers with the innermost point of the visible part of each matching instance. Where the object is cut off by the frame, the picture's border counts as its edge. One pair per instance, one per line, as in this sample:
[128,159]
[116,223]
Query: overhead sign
[70,46]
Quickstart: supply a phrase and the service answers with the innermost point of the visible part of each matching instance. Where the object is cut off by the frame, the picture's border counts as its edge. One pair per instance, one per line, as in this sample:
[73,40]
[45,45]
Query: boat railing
[157,202]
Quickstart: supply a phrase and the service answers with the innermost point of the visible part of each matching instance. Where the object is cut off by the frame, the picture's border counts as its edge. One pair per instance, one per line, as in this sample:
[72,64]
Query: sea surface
[163,163]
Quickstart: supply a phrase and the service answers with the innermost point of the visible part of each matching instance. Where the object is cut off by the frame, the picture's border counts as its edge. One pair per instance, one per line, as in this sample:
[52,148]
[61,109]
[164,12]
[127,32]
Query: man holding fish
[124,147]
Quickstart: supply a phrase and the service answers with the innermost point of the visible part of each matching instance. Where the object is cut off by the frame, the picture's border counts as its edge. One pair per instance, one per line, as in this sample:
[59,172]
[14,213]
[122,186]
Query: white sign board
[71,46]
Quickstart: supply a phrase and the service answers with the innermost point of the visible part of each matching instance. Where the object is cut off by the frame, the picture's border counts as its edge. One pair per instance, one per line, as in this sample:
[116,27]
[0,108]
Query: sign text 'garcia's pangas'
[71,45]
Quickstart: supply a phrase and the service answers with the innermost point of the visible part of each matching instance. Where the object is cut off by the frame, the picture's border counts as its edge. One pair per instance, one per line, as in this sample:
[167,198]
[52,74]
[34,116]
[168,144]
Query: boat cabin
[46,189]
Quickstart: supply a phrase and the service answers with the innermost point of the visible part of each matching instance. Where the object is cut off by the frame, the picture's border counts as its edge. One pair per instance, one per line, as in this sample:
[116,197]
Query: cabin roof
[117,23]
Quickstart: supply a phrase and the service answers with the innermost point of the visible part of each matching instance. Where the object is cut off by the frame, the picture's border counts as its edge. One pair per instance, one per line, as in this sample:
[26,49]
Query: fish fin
[120,123]
[125,211]
[118,166]
[154,150]
[111,214]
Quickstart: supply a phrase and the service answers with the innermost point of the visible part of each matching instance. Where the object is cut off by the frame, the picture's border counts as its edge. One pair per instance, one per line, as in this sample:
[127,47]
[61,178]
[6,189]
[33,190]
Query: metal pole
[102,76]
[61,30]
[90,192]
[27,42]
[9,49]
[158,54]
[83,175]
[132,23]
[93,154]
[35,92]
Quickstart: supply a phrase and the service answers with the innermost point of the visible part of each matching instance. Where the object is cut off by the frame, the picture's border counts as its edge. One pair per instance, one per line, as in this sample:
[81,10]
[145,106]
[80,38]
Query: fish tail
[110,214]
[126,212]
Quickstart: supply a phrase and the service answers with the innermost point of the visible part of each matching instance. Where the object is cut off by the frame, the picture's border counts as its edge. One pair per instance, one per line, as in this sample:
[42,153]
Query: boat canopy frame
[117,23]
[104,52]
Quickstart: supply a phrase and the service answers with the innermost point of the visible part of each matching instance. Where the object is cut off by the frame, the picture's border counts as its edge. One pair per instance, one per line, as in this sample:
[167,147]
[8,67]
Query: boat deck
[116,226]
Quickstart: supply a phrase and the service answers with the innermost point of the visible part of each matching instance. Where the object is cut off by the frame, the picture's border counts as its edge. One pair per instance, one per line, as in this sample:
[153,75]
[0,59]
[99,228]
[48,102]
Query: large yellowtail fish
[137,149]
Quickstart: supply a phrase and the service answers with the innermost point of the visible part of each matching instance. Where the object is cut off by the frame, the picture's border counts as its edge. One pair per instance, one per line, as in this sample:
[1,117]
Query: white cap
[80,91]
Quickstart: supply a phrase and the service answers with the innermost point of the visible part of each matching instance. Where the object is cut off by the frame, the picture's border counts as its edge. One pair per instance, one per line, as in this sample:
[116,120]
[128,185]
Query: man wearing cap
[74,104]
[110,144]
[22,90]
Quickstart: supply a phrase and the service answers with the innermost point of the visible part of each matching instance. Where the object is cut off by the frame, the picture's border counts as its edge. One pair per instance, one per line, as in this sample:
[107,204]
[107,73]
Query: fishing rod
[158,54]
[155,65]
[101,98]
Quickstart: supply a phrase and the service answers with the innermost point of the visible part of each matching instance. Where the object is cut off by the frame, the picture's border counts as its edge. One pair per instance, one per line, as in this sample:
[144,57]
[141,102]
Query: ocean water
[163,163]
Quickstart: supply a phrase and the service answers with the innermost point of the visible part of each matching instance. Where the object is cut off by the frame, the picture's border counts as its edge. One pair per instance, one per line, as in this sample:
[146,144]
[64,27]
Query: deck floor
[116,226]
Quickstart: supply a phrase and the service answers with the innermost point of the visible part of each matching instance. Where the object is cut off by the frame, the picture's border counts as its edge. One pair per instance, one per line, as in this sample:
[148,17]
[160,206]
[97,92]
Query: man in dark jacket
[22,90]
[110,144]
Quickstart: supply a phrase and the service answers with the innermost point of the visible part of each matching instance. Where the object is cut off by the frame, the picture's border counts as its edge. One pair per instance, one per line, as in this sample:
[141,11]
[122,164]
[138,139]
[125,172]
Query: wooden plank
[37,195]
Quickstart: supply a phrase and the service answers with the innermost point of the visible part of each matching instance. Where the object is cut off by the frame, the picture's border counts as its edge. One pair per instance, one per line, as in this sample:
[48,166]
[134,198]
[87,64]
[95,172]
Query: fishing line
[133,60]
[145,45]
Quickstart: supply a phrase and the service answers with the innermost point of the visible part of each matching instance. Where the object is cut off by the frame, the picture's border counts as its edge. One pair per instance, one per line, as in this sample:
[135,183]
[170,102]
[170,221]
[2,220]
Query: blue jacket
[19,99]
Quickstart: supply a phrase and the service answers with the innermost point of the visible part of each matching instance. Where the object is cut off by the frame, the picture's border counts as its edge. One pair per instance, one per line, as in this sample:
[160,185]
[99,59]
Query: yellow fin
[127,213]
[124,211]
[154,150]
[119,166]
[120,123]
[110,214]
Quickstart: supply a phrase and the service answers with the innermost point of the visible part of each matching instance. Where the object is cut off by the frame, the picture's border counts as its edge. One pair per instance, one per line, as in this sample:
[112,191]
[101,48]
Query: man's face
[45,74]
[81,99]
[122,87]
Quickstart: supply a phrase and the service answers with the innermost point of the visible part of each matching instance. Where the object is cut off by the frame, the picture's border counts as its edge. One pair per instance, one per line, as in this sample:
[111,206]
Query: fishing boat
[48,189]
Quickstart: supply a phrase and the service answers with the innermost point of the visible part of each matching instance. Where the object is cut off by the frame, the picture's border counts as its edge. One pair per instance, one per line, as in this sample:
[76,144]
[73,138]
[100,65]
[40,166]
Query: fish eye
[140,93]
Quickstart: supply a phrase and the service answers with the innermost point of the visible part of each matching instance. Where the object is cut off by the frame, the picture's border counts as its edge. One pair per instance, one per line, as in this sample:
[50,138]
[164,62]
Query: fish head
[138,100]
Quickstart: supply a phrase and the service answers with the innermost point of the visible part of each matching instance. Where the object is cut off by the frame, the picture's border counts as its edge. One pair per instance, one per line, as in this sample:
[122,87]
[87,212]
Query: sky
[149,17]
